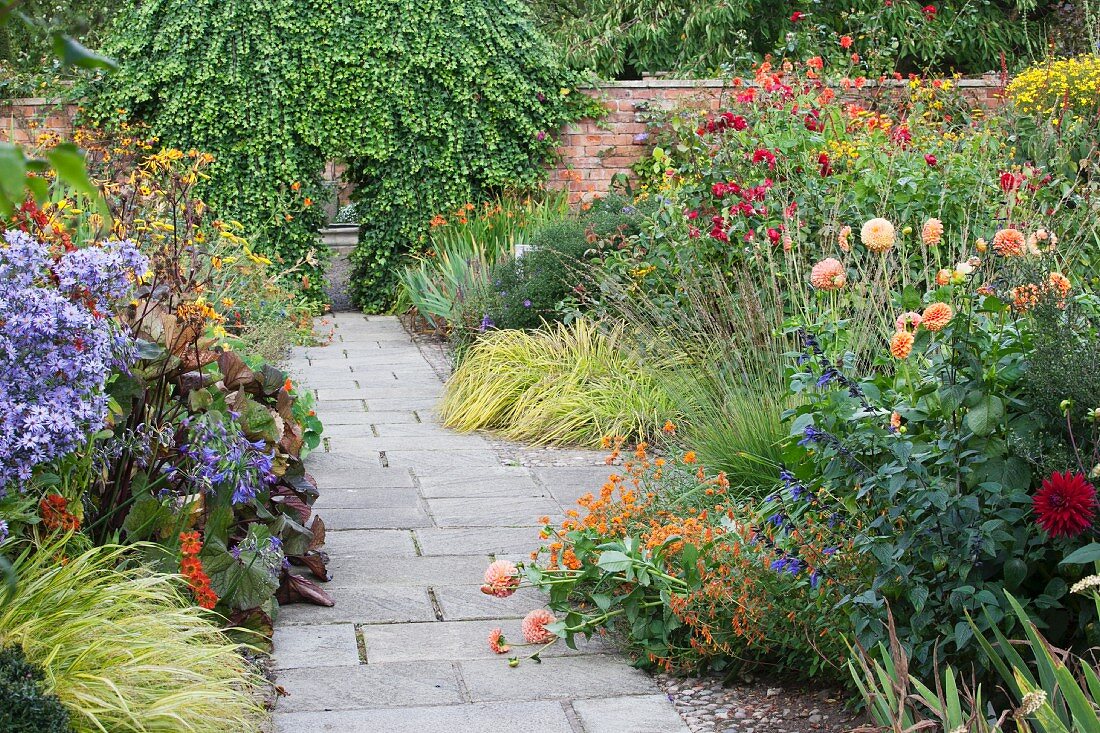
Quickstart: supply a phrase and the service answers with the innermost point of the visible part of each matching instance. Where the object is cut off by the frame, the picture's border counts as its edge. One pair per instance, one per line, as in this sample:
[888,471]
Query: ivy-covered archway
[431,102]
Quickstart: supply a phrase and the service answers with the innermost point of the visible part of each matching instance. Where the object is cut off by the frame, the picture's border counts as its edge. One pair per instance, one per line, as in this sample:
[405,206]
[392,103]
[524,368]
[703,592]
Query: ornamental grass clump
[123,649]
[565,384]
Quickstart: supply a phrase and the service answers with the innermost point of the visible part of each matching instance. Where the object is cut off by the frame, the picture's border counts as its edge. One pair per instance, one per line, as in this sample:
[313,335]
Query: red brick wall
[22,121]
[593,152]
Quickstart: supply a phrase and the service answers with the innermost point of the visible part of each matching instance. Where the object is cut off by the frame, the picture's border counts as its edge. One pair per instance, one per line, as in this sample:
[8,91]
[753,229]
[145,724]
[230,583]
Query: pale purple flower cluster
[215,455]
[57,347]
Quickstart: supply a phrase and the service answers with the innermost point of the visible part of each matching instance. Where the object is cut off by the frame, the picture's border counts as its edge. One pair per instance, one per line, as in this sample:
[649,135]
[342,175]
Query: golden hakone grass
[123,649]
[567,384]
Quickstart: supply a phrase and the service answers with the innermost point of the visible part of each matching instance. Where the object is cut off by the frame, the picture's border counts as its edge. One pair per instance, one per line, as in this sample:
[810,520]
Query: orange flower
[828,274]
[54,510]
[1009,242]
[288,385]
[943,277]
[669,427]
[878,235]
[190,544]
[895,420]
[534,627]
[296,186]
[501,579]
[901,345]
[932,232]
[845,42]
[936,316]
[1025,297]
[689,457]
[307,202]
[1060,283]
[497,642]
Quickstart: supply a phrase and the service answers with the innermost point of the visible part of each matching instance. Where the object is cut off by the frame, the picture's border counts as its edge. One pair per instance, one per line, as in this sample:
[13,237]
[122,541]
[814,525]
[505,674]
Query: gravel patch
[337,279]
[708,705]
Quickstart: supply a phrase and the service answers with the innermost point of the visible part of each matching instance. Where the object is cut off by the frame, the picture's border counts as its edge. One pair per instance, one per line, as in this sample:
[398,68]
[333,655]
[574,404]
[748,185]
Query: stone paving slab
[415,571]
[565,678]
[388,605]
[360,543]
[467,603]
[483,482]
[496,512]
[332,645]
[368,686]
[389,518]
[415,513]
[442,459]
[632,714]
[533,717]
[483,541]
[455,640]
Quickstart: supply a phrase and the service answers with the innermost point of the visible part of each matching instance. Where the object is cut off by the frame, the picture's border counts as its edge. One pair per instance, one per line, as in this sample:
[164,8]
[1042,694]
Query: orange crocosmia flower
[296,186]
[669,427]
[288,385]
[689,457]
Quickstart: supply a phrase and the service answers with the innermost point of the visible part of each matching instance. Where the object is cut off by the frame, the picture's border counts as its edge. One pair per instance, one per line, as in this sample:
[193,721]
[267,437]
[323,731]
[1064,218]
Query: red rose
[930,160]
[796,16]
[929,12]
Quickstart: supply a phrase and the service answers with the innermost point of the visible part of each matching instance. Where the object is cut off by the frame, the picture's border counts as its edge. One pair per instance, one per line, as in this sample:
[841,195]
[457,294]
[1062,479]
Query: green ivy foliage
[235,79]
[449,101]
[432,103]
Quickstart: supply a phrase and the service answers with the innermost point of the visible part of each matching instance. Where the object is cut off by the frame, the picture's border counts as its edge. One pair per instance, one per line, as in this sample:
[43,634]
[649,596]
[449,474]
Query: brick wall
[593,152]
[23,120]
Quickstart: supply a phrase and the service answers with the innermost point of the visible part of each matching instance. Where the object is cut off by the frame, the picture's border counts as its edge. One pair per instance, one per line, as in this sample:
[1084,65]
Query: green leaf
[1083,555]
[984,417]
[69,163]
[614,561]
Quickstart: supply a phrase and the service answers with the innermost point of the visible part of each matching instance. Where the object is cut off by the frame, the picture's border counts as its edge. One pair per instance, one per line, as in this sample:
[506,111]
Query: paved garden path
[414,514]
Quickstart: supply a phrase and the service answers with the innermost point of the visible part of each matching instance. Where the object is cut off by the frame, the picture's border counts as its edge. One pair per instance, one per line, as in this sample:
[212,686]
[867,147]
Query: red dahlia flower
[797,16]
[1065,505]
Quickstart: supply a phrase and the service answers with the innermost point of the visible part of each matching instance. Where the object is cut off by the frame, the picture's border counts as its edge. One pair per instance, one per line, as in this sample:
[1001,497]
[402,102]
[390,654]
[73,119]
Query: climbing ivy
[233,78]
[450,101]
[431,102]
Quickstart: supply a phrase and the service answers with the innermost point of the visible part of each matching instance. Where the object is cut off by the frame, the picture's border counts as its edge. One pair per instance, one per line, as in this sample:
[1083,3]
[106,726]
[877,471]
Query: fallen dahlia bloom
[932,232]
[497,642]
[501,579]
[878,235]
[936,316]
[1065,505]
[828,274]
[901,345]
[534,627]
[1009,242]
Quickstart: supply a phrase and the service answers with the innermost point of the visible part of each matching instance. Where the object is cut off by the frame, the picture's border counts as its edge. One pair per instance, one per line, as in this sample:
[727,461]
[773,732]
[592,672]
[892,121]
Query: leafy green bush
[564,384]
[27,707]
[627,39]
[237,80]
[122,648]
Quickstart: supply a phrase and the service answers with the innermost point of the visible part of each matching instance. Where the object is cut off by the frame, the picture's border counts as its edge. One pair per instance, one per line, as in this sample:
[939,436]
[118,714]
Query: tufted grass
[123,649]
[568,384]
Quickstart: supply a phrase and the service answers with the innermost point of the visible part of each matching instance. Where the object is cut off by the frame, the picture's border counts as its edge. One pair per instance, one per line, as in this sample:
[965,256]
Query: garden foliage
[237,81]
[123,649]
[625,40]
[28,708]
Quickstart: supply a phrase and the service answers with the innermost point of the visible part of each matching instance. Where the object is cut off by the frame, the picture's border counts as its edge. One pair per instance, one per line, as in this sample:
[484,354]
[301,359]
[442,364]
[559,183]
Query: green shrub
[628,39]
[527,290]
[27,707]
[455,102]
[564,384]
[241,81]
[123,649]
